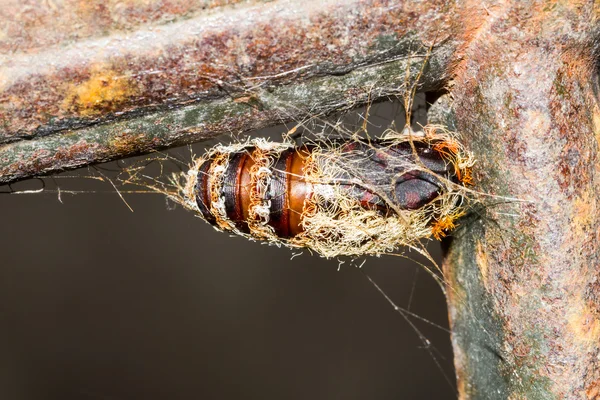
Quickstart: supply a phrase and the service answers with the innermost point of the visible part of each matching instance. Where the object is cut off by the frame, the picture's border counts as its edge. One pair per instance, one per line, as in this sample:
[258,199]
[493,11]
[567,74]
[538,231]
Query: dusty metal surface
[113,78]
[524,293]
[195,122]
[33,26]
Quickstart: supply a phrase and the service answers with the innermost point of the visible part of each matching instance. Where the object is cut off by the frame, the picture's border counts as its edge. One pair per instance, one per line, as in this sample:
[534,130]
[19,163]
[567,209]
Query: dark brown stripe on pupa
[231,190]
[279,195]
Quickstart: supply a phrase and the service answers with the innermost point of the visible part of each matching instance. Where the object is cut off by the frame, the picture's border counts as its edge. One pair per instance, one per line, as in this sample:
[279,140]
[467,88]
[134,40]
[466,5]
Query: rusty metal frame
[230,69]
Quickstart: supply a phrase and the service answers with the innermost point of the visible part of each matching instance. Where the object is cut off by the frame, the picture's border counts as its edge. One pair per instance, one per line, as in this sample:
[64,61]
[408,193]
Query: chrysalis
[346,197]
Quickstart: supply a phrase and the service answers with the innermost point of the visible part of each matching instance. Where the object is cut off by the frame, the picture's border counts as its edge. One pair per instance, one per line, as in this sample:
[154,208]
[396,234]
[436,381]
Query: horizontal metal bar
[229,69]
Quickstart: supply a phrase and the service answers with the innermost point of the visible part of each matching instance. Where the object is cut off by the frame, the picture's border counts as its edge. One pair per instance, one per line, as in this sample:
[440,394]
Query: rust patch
[584,214]
[126,143]
[104,91]
[584,324]
[34,25]
[595,121]
[592,392]
[78,151]
[217,55]
[482,263]
[534,140]
[516,148]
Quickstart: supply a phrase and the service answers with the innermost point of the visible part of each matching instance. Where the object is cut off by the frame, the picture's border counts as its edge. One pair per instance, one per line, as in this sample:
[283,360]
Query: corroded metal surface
[194,122]
[33,26]
[114,75]
[523,290]
[197,58]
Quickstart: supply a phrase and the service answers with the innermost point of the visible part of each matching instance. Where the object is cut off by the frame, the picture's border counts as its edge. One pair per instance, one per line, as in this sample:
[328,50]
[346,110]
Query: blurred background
[98,302]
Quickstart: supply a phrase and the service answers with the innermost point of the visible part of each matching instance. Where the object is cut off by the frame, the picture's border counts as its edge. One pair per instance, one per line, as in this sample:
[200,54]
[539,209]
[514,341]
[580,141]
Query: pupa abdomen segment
[251,187]
[345,197]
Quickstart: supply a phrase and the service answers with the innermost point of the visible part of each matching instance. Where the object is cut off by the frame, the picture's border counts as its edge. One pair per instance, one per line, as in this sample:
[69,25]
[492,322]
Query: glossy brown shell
[372,163]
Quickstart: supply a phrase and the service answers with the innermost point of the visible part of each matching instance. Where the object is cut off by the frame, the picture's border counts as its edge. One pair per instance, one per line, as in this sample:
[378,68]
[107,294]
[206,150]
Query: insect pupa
[338,198]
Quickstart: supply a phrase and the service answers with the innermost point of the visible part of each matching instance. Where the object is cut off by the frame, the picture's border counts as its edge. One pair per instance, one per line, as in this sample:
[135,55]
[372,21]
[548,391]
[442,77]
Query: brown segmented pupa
[342,197]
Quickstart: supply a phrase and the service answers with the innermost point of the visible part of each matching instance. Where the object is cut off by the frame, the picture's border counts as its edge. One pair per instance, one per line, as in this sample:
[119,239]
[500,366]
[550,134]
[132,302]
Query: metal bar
[229,69]
[523,290]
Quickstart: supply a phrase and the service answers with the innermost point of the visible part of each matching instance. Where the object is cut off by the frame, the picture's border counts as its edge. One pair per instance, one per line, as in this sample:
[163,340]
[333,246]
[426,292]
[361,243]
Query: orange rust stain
[125,143]
[596,12]
[89,8]
[592,392]
[76,151]
[596,124]
[481,260]
[103,91]
[584,324]
[475,23]
[461,381]
[126,14]
[584,212]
